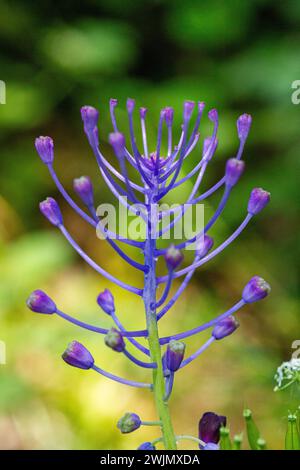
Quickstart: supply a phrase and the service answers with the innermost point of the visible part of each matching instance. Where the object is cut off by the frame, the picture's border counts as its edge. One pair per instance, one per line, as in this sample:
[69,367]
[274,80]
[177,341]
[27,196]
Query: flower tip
[188,108]
[40,302]
[256,289]
[76,355]
[130,104]
[114,340]
[146,446]
[201,106]
[113,102]
[84,188]
[225,327]
[143,112]
[173,257]
[117,141]
[203,245]
[105,300]
[90,116]
[213,115]
[174,355]
[258,200]
[234,170]
[45,148]
[129,423]
[50,209]
[169,115]
[243,126]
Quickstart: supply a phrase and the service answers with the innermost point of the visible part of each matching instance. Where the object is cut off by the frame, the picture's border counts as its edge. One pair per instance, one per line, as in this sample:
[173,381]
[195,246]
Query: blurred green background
[236,56]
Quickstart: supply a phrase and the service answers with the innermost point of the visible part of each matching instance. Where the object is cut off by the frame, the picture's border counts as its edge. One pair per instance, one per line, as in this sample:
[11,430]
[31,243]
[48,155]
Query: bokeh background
[236,56]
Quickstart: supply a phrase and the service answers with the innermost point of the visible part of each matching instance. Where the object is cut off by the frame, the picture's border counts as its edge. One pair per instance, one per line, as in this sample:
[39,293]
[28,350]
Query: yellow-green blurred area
[55,57]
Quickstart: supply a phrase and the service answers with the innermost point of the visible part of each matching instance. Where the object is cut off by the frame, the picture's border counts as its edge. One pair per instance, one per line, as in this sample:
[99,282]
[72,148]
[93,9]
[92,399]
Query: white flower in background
[287,374]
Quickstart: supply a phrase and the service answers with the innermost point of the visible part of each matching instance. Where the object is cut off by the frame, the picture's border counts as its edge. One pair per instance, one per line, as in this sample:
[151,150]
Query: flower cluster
[159,173]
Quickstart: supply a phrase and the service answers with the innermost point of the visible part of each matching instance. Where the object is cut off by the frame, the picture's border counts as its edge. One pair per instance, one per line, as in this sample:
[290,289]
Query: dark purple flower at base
[45,148]
[173,257]
[174,355]
[50,209]
[258,200]
[146,446]
[234,170]
[256,289]
[106,301]
[129,423]
[40,302]
[225,327]
[77,355]
[84,188]
[209,427]
[114,340]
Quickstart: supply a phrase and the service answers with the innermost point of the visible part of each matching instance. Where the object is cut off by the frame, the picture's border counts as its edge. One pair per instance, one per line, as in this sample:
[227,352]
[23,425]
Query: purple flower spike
[84,188]
[146,446]
[45,148]
[173,257]
[90,116]
[258,200]
[130,105]
[174,355]
[213,115]
[225,327]
[169,115]
[209,427]
[106,301]
[77,355]
[204,245]
[188,109]
[114,340]
[129,423]
[234,170]
[243,126]
[117,141]
[256,289]
[211,446]
[50,209]
[39,302]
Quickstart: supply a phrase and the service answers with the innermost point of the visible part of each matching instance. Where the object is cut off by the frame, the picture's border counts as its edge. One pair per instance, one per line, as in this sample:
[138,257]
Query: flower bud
[143,112]
[77,355]
[188,108]
[209,427]
[203,245]
[90,116]
[129,423]
[213,115]
[130,105]
[146,446]
[174,355]
[225,327]
[169,115]
[114,340]
[173,257]
[211,446]
[50,209]
[113,102]
[45,149]
[117,141]
[243,126]
[256,289]
[259,198]
[84,188]
[234,170]
[39,302]
[106,301]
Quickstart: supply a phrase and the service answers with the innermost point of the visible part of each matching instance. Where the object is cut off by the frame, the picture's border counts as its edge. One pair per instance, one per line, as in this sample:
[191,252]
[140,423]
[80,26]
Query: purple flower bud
[45,148]
[234,170]
[143,112]
[114,340]
[243,126]
[50,209]
[174,355]
[225,327]
[130,105]
[188,108]
[169,115]
[146,446]
[117,141]
[90,116]
[106,301]
[259,198]
[173,257]
[129,423]
[77,355]
[39,302]
[113,102]
[213,115]
[203,245]
[211,446]
[201,106]
[209,427]
[84,188]
[256,289]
